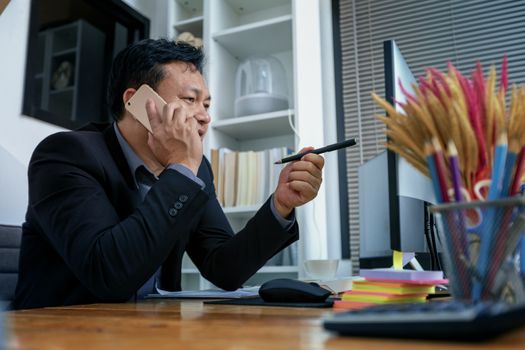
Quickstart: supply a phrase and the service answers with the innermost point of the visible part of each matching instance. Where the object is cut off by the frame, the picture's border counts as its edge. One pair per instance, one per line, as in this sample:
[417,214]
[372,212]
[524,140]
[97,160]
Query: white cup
[345,269]
[322,269]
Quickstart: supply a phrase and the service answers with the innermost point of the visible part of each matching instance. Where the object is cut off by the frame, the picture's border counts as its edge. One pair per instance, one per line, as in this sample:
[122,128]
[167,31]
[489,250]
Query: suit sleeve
[110,256]
[227,259]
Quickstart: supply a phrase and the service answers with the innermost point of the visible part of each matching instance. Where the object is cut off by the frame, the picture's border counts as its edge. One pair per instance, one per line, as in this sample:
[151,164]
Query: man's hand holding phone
[173,130]
[175,135]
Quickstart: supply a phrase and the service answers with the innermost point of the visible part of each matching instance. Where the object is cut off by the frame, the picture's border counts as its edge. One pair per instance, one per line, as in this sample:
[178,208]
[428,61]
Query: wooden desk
[170,324]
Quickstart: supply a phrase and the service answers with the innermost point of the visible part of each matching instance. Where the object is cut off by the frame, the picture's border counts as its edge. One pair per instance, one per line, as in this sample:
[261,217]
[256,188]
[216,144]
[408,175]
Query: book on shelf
[275,154]
[230,178]
[242,180]
[215,169]
[220,174]
[251,186]
[245,178]
[261,187]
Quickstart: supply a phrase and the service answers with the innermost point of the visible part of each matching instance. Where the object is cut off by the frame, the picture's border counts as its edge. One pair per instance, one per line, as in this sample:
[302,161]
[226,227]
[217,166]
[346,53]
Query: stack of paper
[383,286]
[401,274]
[248,292]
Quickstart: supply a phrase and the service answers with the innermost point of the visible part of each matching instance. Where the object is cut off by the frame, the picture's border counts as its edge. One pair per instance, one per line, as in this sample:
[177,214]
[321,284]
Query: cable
[292,126]
[427,237]
[433,236]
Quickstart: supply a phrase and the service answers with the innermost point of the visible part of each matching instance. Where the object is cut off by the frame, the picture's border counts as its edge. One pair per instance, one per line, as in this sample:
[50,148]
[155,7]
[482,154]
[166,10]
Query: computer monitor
[393,196]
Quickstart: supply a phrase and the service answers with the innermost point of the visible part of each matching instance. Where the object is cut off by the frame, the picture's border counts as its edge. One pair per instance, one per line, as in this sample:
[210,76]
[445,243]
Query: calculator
[432,320]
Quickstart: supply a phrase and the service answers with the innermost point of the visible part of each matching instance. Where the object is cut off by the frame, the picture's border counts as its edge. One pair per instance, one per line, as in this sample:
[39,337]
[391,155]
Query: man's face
[183,82]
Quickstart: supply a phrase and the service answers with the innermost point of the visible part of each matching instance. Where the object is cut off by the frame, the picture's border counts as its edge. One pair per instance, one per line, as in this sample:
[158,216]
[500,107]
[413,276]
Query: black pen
[333,147]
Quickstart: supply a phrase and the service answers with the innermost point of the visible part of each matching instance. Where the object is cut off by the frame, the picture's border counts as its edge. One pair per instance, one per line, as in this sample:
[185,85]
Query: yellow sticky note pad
[398,260]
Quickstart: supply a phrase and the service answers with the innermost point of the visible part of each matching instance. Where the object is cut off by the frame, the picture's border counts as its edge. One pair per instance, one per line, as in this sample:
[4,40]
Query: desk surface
[171,324]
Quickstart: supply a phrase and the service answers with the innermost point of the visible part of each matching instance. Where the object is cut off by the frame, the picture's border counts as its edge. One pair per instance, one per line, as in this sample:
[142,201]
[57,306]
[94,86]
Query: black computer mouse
[285,290]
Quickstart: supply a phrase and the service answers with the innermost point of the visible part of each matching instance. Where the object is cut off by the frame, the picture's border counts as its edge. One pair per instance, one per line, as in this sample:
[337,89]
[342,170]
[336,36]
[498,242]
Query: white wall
[19,134]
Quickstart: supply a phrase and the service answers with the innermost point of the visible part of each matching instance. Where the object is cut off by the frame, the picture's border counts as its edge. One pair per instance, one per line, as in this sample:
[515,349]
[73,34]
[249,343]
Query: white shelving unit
[187,17]
[273,35]
[256,126]
[233,30]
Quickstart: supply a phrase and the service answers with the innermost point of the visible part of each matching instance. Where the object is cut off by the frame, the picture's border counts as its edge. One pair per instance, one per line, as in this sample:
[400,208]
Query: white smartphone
[136,105]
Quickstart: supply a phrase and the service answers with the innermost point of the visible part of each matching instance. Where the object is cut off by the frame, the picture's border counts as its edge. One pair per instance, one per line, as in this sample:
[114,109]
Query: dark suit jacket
[88,238]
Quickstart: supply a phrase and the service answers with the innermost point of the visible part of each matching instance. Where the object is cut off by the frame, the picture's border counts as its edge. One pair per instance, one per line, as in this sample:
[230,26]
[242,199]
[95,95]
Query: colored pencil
[454,170]
[490,216]
[520,167]
[456,180]
[498,167]
[441,169]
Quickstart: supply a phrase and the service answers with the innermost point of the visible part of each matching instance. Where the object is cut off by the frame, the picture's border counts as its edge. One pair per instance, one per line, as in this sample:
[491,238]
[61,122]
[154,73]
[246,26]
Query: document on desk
[250,292]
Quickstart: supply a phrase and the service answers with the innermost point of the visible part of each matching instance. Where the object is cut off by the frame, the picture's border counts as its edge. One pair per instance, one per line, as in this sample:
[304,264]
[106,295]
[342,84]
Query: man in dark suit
[112,208]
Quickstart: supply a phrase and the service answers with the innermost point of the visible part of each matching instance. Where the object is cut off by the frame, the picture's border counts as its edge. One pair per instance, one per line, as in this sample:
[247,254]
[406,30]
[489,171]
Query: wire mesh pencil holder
[479,242]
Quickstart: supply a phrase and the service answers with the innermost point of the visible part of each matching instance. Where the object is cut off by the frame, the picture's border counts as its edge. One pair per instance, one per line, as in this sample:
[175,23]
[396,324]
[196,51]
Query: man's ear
[127,94]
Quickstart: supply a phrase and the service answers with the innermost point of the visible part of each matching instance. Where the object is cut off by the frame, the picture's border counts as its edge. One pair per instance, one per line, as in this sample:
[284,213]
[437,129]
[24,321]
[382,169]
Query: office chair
[10,237]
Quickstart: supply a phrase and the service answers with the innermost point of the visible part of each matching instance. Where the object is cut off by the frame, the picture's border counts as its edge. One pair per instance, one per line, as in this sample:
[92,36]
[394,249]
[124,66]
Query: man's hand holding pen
[299,182]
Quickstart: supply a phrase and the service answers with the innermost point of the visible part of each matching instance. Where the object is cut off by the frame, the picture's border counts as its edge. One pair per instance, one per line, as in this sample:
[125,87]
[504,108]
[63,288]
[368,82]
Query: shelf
[278,269]
[188,9]
[272,35]
[65,37]
[60,91]
[256,126]
[243,6]
[64,52]
[241,212]
[192,25]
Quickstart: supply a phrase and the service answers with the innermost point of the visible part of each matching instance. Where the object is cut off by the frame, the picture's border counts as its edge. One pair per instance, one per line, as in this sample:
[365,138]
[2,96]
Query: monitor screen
[393,196]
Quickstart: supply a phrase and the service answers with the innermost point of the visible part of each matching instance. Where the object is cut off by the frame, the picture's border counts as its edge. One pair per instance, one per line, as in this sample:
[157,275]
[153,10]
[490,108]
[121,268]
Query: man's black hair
[141,63]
